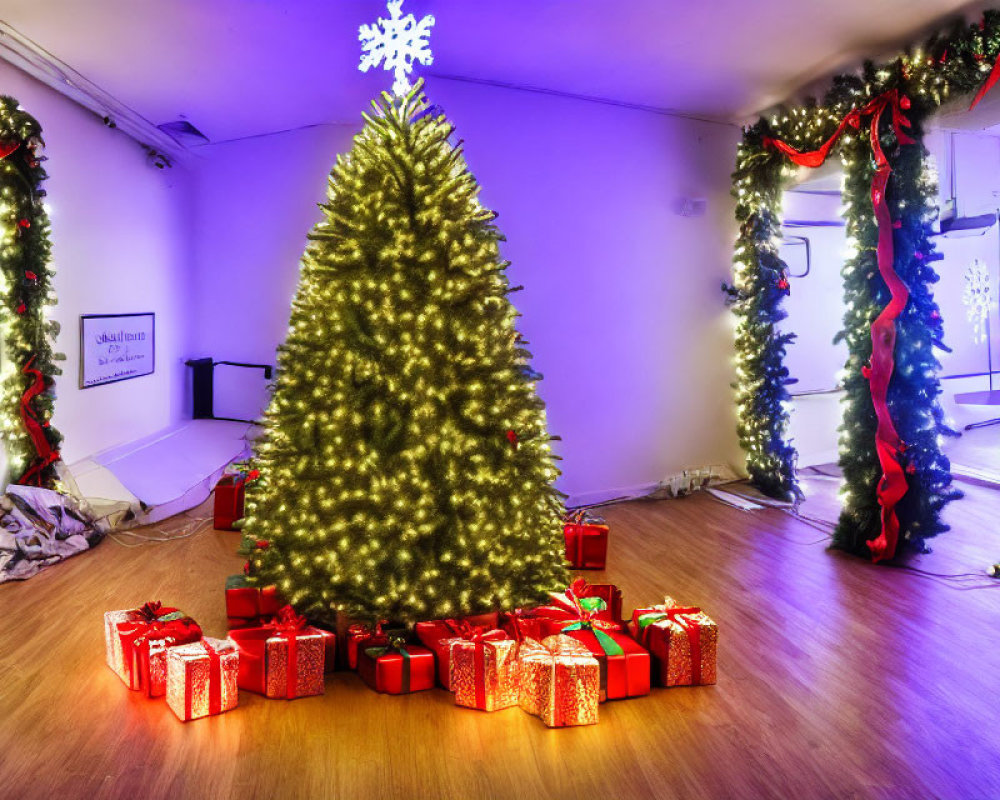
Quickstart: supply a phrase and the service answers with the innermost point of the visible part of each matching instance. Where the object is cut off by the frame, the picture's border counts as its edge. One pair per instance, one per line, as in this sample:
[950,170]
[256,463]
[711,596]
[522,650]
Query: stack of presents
[558,661]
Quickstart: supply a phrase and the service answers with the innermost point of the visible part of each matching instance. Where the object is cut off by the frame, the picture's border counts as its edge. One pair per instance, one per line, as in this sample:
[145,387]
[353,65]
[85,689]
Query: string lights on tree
[27,363]
[406,469]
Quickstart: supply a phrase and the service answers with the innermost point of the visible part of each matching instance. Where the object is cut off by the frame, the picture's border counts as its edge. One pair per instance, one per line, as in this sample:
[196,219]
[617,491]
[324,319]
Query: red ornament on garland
[512,438]
[24,223]
[783,284]
[31,276]
[21,308]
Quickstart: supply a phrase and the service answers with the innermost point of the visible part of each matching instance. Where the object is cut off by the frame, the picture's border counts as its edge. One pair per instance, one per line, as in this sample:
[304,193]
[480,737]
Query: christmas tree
[406,468]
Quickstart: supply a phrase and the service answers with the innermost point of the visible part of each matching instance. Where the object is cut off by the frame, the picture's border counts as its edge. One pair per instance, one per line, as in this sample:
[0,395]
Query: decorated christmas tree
[406,469]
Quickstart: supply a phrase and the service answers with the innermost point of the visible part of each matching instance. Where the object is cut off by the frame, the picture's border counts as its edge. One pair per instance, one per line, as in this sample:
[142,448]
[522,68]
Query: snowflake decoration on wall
[977,298]
[398,42]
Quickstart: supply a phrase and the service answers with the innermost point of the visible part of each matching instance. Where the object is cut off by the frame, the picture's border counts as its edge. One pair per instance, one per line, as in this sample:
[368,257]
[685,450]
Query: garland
[28,363]
[897,480]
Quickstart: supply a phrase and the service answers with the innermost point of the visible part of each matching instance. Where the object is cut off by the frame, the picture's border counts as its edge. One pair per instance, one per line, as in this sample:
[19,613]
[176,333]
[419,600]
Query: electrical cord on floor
[170,536]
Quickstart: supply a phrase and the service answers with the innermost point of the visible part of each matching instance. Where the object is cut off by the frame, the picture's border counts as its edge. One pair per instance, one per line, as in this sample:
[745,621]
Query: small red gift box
[625,664]
[387,664]
[230,495]
[250,606]
[202,678]
[283,659]
[136,642]
[484,671]
[559,681]
[683,641]
[438,635]
[357,634]
[586,540]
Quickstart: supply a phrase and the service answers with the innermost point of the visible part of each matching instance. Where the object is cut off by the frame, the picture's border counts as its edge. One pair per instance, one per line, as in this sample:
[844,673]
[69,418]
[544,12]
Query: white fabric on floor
[168,472]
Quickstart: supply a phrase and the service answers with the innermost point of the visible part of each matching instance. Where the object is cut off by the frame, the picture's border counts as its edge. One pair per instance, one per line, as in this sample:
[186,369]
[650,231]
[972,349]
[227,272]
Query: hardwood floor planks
[838,679]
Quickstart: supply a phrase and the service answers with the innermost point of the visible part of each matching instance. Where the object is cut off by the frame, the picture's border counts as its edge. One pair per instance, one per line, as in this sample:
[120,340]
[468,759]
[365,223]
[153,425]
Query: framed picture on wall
[116,347]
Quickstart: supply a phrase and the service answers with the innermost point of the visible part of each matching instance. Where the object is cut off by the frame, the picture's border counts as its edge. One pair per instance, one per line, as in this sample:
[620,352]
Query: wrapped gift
[136,641]
[683,641]
[230,497]
[357,635]
[202,678]
[438,635]
[608,592]
[282,659]
[250,606]
[388,664]
[625,664]
[484,670]
[521,624]
[559,681]
[586,536]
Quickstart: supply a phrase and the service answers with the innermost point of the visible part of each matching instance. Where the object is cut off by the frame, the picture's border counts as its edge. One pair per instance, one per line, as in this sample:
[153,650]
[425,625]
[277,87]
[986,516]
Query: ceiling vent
[184,131]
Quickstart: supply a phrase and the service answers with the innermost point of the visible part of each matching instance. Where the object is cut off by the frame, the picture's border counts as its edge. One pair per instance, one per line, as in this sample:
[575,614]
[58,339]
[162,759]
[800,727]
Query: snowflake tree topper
[977,298]
[398,42]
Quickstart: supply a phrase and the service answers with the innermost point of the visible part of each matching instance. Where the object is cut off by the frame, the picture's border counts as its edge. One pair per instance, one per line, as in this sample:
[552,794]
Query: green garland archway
[897,98]
[27,363]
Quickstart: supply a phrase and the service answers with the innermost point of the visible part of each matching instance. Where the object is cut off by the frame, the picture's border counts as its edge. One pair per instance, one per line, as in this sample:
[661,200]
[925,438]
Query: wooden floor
[838,679]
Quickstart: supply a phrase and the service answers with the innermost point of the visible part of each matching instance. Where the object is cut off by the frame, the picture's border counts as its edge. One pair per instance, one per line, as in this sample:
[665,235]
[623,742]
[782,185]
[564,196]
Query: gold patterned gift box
[560,681]
[285,659]
[136,642]
[683,641]
[201,678]
[484,671]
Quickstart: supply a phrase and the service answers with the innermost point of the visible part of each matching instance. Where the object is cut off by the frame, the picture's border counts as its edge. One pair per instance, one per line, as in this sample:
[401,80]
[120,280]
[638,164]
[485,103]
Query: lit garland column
[28,363]
[760,286]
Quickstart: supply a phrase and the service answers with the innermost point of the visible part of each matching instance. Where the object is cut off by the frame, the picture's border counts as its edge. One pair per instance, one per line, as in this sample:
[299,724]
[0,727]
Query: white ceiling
[238,68]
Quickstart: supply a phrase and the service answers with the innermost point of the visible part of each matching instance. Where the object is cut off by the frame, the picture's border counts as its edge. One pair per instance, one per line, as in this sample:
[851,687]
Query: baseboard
[604,495]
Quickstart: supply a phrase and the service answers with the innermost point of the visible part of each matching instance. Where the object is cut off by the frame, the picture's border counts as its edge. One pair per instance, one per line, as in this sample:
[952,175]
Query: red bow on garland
[888,444]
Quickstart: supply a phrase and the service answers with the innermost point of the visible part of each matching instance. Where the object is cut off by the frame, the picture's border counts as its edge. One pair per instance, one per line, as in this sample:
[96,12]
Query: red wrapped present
[608,592]
[230,496]
[202,678]
[250,606]
[484,670]
[625,664]
[586,540]
[559,681]
[136,642]
[438,635]
[283,659]
[388,664]
[521,624]
[683,641]
[357,635]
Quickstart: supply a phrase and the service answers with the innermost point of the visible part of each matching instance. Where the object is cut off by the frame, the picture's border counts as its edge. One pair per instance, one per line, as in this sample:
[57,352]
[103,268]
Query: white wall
[119,245]
[622,303]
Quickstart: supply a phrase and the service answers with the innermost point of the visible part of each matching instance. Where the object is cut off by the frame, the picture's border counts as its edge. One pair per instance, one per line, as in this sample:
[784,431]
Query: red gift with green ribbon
[390,665]
[625,664]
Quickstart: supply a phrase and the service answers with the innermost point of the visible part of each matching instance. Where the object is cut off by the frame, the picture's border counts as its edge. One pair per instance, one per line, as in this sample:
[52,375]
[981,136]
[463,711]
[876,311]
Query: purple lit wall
[622,304]
[119,244]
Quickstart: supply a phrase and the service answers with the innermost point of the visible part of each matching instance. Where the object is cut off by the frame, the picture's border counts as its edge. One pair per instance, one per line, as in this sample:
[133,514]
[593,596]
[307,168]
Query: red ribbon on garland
[988,84]
[6,148]
[892,487]
[46,455]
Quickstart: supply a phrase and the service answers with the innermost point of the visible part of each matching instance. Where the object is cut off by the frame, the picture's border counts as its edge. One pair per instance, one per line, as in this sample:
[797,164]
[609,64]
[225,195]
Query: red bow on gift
[568,606]
[287,620]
